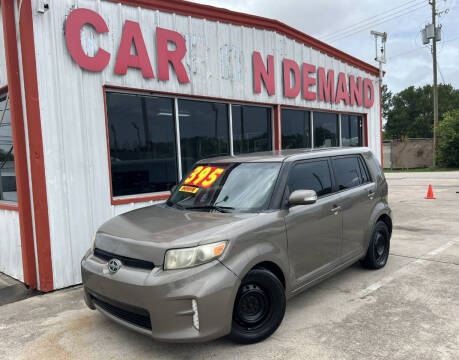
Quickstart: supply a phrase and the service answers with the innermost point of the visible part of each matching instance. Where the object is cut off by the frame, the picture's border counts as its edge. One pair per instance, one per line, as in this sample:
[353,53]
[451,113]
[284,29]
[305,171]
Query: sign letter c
[75,22]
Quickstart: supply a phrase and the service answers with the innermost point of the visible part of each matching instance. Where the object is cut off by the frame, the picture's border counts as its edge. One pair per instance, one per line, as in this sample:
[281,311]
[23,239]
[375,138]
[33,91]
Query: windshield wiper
[223,209]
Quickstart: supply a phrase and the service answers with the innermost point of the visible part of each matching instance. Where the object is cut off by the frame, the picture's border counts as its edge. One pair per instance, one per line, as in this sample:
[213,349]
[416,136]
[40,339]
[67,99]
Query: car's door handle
[371,195]
[335,209]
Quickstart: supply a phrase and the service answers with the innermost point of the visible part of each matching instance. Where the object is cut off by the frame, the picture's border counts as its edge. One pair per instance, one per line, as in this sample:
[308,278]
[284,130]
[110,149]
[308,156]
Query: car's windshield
[226,187]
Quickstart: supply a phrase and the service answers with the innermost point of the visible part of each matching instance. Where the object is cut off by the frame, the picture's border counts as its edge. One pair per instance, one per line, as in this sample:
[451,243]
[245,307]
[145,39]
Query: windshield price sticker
[204,176]
[189,189]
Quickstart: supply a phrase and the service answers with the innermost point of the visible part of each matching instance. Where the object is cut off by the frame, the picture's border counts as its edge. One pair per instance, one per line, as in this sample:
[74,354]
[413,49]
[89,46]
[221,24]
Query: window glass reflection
[204,131]
[325,129]
[142,143]
[251,129]
[8,191]
[295,129]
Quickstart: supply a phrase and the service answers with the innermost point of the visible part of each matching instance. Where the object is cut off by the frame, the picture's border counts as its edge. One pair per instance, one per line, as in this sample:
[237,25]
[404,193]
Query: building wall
[409,154]
[10,239]
[219,64]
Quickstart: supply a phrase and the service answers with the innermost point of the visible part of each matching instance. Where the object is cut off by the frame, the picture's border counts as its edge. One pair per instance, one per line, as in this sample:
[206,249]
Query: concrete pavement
[409,309]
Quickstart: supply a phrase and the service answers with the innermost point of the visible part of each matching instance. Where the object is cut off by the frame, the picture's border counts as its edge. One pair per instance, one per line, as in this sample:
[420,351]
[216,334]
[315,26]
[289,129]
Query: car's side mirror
[302,197]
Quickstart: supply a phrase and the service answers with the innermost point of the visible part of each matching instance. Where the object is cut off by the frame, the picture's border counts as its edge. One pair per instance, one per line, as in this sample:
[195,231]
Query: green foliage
[386,100]
[448,132]
[410,112]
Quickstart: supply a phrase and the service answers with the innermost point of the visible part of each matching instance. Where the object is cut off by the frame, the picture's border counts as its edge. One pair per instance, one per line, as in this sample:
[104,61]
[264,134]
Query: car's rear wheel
[378,249]
[259,307]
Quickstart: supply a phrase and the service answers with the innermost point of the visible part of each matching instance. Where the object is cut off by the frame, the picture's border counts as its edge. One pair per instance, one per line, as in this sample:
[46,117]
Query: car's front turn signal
[189,257]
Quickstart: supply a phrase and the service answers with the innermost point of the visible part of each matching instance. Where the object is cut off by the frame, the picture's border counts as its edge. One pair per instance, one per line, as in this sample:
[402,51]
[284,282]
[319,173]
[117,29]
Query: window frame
[9,204]
[164,195]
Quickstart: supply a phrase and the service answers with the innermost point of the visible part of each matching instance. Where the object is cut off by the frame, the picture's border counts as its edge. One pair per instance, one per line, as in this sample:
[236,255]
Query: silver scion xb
[237,237]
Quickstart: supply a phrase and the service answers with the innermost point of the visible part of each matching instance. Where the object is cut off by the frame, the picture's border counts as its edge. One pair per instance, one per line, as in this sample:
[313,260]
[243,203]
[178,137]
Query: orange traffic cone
[430,194]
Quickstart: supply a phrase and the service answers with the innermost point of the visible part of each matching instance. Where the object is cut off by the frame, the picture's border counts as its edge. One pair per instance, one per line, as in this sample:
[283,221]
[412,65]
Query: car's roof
[287,155]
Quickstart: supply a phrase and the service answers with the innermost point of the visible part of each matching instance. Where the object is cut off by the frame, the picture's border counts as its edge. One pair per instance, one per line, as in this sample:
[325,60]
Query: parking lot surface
[408,310]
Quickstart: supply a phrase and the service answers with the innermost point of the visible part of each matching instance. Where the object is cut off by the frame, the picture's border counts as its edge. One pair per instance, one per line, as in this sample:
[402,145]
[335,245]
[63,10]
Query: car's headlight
[189,257]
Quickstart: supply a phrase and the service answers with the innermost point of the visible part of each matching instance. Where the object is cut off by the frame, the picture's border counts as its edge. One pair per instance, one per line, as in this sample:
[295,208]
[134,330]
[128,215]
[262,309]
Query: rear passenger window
[311,176]
[347,172]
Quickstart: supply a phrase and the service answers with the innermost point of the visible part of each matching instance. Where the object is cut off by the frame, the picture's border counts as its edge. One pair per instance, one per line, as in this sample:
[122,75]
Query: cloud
[408,62]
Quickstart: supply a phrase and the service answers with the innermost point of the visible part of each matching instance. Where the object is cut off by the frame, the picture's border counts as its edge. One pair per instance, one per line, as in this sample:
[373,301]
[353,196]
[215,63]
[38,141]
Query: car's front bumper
[135,297]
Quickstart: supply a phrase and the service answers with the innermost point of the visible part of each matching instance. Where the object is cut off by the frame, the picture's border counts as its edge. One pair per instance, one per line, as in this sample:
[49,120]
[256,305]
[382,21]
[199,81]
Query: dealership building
[106,104]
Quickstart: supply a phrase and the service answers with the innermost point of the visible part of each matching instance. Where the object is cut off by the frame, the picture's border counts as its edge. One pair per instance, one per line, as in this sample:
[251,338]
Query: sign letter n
[260,72]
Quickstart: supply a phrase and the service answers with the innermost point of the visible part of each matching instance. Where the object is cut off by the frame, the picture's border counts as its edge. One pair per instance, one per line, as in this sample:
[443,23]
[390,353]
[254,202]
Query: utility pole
[435,86]
[433,32]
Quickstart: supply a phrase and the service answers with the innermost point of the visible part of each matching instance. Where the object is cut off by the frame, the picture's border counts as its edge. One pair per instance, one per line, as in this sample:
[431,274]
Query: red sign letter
[133,34]
[75,21]
[356,90]
[309,81]
[368,93]
[163,36]
[289,66]
[260,72]
[342,92]
[326,85]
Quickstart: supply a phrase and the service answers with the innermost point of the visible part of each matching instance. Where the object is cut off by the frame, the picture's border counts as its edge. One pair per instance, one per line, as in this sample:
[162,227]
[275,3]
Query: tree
[386,100]
[448,132]
[410,112]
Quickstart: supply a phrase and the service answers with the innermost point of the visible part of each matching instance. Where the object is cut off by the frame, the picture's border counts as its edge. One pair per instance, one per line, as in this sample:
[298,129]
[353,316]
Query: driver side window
[314,175]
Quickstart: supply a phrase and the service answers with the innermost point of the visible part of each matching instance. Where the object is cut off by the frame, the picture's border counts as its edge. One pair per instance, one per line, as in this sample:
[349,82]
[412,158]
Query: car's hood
[148,232]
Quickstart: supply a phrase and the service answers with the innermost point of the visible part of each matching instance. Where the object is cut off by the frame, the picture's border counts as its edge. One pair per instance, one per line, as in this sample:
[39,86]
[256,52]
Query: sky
[337,22]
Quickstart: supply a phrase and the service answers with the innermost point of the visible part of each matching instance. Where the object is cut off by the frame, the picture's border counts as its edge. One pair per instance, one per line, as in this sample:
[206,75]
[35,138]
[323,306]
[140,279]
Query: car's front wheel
[259,307]
[378,249]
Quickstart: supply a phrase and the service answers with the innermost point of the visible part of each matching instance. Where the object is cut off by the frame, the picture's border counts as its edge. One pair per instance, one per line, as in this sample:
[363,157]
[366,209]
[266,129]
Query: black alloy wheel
[259,307]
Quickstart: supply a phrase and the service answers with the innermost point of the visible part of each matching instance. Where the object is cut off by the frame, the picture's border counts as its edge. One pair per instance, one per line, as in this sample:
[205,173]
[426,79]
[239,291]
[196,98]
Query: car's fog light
[194,305]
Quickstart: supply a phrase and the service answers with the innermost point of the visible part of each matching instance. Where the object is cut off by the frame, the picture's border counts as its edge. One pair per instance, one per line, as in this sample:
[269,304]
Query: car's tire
[378,249]
[259,307]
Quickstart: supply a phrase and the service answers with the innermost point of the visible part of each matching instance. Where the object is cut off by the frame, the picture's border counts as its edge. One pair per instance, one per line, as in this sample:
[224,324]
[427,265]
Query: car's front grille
[136,263]
[134,315]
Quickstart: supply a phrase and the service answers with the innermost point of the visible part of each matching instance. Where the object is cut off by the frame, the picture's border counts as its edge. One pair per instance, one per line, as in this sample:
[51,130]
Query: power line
[406,52]
[366,27]
[418,48]
[441,74]
[365,20]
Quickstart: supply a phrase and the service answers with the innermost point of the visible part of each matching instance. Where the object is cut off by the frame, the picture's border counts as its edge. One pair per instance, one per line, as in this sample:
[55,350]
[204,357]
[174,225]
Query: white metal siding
[73,115]
[10,244]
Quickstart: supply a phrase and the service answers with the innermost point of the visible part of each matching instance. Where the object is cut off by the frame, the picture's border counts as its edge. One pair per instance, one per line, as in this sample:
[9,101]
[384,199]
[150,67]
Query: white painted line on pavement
[385,280]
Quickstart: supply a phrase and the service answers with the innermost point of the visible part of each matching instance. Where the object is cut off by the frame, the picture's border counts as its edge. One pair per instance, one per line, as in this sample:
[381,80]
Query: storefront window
[351,130]
[204,131]
[8,191]
[142,143]
[295,129]
[325,129]
[251,129]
